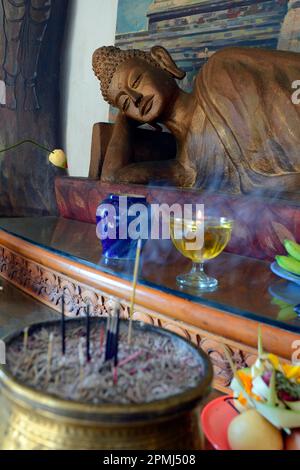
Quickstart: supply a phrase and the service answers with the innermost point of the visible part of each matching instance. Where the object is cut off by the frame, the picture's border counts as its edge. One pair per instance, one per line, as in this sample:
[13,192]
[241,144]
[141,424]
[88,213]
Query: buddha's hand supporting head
[141,84]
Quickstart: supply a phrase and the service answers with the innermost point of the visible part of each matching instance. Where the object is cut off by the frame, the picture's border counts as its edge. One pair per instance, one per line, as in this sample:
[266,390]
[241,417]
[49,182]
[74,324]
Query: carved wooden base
[48,286]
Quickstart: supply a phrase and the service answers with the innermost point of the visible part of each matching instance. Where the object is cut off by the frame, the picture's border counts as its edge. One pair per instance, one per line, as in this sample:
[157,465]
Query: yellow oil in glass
[215,238]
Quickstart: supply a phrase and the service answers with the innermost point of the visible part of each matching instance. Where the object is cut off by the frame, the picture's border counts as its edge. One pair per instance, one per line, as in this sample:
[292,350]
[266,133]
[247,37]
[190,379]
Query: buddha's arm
[118,166]
[119,153]
[169,171]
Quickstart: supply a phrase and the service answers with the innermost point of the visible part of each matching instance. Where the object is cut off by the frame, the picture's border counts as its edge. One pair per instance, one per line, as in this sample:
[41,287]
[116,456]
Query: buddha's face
[142,91]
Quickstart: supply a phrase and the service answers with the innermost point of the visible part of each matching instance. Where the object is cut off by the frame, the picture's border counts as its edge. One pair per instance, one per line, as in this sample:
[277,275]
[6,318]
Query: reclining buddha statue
[238,131]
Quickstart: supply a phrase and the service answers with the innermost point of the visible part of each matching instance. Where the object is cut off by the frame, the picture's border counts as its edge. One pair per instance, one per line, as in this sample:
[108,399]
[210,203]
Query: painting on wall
[193,30]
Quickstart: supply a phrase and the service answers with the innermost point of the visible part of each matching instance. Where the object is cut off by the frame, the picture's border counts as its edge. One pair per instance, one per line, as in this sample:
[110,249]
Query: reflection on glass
[285,296]
[200,240]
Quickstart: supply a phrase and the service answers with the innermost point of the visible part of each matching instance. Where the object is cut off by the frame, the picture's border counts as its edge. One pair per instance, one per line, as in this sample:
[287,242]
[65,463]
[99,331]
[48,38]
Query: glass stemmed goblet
[200,240]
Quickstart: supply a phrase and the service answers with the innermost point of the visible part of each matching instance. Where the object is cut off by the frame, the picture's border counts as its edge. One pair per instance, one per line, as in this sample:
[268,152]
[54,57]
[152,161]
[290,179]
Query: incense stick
[25,340]
[134,283]
[107,336]
[155,366]
[63,326]
[130,358]
[88,333]
[112,337]
[115,375]
[49,356]
[116,343]
[116,348]
[81,359]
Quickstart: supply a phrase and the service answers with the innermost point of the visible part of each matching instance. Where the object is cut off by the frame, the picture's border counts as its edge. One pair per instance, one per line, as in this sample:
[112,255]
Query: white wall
[91,24]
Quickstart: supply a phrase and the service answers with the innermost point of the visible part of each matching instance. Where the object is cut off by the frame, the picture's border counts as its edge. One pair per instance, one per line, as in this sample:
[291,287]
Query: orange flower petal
[246,381]
[242,400]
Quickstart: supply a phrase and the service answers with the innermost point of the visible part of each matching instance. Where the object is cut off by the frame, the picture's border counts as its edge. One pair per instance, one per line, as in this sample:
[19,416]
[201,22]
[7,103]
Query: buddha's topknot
[107,59]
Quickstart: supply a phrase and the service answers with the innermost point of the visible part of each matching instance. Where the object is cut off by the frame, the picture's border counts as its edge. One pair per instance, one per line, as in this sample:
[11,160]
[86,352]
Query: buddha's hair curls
[107,59]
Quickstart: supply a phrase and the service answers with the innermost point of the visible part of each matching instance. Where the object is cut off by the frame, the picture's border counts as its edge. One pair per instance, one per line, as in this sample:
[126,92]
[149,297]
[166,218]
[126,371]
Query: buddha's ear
[165,61]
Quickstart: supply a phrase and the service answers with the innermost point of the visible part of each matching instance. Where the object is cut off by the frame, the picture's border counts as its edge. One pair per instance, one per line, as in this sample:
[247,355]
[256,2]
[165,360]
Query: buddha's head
[141,84]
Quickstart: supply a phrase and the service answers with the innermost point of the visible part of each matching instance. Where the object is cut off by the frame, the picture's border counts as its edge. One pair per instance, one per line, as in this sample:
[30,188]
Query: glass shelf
[247,287]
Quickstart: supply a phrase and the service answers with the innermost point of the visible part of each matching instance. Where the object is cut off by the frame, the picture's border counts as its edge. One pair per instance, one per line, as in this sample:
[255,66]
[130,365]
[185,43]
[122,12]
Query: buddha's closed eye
[136,81]
[126,104]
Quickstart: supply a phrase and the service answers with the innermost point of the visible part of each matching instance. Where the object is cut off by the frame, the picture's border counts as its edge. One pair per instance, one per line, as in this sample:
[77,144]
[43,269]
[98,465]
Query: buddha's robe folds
[251,130]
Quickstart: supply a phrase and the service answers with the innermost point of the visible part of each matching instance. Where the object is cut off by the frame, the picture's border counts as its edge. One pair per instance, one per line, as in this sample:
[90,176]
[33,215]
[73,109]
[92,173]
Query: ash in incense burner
[154,366]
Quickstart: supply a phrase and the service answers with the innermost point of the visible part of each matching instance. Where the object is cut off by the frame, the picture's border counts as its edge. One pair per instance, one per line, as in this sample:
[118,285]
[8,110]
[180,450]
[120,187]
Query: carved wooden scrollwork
[215,350]
[144,317]
[172,326]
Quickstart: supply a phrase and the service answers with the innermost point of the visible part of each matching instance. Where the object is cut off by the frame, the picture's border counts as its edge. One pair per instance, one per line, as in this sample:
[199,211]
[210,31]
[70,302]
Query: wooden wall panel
[31,33]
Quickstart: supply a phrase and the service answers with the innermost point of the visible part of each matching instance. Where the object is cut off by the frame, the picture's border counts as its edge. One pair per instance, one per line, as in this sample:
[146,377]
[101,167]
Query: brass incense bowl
[33,420]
